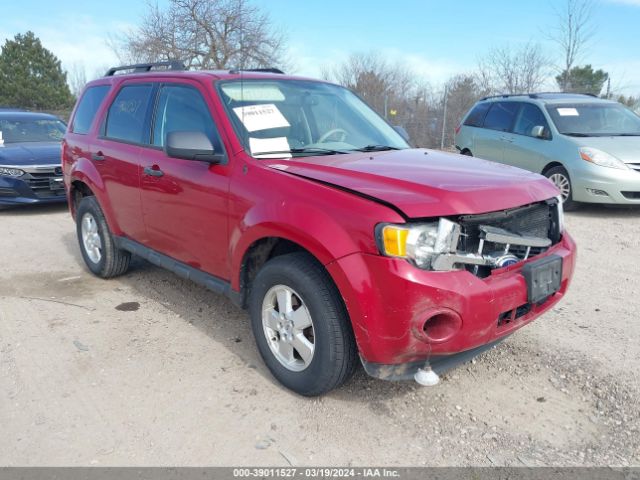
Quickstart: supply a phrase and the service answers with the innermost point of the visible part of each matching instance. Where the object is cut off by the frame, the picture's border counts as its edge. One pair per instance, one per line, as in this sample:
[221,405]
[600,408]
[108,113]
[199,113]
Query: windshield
[31,130]
[283,118]
[594,119]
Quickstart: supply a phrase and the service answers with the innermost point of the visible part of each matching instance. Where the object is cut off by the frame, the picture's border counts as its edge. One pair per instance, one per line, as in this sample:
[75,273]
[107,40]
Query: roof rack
[259,70]
[537,95]
[147,67]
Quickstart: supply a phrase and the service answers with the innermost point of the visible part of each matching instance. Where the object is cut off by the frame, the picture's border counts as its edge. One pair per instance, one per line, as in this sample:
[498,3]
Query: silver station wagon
[588,147]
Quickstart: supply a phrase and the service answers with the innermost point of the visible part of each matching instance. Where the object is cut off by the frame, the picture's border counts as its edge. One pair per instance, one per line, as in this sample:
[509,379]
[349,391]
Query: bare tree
[394,91]
[205,34]
[505,70]
[76,78]
[461,93]
[572,34]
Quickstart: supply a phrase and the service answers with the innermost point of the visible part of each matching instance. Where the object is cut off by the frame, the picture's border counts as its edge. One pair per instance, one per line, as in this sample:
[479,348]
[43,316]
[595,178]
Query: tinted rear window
[88,107]
[127,115]
[501,116]
[476,117]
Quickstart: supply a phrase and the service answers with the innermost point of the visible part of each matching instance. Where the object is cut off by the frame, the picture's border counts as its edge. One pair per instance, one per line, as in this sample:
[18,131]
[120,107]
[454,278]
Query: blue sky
[435,38]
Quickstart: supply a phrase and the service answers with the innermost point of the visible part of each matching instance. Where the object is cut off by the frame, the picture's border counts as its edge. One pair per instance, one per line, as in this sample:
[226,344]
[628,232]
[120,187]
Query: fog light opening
[441,326]
[600,193]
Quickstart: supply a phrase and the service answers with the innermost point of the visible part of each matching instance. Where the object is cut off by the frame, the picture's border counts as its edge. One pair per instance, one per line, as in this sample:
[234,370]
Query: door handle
[153,171]
[98,156]
[506,139]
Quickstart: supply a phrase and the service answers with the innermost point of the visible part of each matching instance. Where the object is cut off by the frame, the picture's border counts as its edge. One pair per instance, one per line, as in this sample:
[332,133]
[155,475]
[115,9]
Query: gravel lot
[148,369]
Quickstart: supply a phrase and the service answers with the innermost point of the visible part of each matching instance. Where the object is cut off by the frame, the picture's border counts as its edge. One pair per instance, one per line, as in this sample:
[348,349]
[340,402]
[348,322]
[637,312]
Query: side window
[476,117]
[530,116]
[182,108]
[501,116]
[127,114]
[88,107]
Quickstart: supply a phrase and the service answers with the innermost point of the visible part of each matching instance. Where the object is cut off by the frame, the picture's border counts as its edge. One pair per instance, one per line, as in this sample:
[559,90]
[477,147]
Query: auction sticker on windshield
[261,117]
[568,112]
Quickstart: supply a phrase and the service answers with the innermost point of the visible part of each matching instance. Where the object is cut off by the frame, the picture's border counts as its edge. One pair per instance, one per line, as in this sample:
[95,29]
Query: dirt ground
[148,369]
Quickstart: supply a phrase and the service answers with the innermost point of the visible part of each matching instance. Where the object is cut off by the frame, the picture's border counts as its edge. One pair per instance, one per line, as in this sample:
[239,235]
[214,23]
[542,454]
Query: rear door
[116,152]
[185,201]
[523,149]
[490,142]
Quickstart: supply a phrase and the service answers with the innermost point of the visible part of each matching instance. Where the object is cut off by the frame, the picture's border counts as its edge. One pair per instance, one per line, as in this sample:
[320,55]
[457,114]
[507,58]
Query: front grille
[41,182]
[537,220]
[634,166]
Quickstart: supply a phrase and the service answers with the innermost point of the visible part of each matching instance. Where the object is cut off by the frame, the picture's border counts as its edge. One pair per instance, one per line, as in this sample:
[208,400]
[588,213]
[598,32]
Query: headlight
[419,243]
[11,172]
[601,158]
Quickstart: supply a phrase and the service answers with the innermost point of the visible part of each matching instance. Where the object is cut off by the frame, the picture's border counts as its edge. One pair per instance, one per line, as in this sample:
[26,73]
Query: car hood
[424,183]
[626,149]
[25,154]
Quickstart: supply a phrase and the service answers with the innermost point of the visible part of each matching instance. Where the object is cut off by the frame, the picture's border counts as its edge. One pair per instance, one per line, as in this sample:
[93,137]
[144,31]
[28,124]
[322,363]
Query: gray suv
[588,147]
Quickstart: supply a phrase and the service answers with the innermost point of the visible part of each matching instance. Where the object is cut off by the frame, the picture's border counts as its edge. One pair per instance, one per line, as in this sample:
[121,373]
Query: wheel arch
[551,165]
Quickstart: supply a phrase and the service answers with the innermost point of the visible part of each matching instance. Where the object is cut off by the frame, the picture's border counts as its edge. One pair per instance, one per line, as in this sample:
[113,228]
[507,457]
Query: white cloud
[83,45]
[633,3]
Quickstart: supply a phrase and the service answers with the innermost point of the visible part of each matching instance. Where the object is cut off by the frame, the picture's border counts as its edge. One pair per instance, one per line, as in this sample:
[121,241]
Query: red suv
[296,200]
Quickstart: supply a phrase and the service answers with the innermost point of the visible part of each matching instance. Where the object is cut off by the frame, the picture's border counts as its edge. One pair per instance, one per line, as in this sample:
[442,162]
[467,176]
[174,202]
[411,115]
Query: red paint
[209,215]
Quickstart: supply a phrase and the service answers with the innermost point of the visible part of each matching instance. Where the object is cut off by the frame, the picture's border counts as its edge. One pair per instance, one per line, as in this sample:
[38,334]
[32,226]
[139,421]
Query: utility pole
[444,116]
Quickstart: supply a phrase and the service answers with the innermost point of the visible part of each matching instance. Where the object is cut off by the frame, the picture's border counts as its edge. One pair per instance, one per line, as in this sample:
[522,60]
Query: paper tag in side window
[568,112]
[261,117]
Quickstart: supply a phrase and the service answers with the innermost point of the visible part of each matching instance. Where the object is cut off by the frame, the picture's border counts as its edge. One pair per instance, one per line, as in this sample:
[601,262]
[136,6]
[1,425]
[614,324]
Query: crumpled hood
[35,153]
[626,149]
[425,183]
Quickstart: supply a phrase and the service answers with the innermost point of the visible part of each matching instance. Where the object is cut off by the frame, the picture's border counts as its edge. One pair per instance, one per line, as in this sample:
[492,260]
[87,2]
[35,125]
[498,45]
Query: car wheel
[97,245]
[560,178]
[301,325]
[467,153]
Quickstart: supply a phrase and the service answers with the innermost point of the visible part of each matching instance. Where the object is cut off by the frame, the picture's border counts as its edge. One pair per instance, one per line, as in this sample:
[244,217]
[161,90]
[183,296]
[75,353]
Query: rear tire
[466,153]
[97,244]
[292,291]
[560,178]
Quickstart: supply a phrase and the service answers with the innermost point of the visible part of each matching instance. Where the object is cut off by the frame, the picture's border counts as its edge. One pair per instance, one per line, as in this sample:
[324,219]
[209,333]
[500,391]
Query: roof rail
[259,70]
[147,67]
[504,95]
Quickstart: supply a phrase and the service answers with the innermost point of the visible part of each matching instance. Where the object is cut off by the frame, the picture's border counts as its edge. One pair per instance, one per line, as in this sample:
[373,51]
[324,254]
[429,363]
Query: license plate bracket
[543,278]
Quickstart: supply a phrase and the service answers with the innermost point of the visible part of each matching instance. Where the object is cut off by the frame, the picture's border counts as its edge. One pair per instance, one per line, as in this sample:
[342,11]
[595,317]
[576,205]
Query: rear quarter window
[87,108]
[476,117]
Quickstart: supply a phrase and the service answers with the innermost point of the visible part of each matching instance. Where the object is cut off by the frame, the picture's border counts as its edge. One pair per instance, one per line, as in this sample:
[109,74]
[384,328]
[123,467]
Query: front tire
[97,244]
[301,326]
[560,178]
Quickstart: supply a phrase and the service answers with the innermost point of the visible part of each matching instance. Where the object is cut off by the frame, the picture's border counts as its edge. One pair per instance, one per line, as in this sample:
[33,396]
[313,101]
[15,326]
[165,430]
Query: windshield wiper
[293,151]
[578,134]
[376,148]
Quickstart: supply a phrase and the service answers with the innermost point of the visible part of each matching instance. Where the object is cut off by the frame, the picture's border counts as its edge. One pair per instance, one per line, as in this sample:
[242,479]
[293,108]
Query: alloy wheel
[563,184]
[288,328]
[91,240]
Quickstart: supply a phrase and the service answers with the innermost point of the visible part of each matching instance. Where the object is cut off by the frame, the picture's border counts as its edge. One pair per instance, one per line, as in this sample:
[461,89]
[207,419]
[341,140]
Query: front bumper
[596,184]
[31,188]
[389,300]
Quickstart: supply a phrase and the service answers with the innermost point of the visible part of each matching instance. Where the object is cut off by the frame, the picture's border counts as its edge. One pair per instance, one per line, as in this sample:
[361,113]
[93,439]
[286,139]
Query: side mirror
[539,132]
[403,133]
[191,146]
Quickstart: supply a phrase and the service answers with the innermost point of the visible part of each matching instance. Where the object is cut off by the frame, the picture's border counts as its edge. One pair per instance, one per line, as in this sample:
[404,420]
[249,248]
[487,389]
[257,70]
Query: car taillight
[458,129]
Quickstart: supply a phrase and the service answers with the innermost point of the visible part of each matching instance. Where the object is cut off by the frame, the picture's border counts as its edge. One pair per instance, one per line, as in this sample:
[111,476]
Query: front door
[184,202]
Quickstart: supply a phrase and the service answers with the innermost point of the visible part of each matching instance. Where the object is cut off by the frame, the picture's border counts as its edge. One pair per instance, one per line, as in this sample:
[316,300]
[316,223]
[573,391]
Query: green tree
[31,76]
[582,80]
